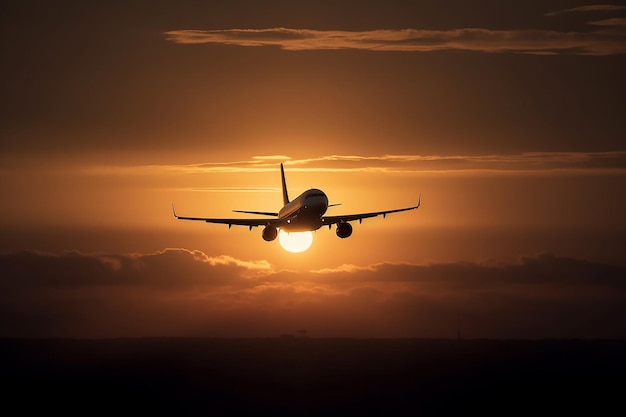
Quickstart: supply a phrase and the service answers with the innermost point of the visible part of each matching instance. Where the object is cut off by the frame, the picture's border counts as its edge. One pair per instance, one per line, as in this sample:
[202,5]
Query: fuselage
[304,213]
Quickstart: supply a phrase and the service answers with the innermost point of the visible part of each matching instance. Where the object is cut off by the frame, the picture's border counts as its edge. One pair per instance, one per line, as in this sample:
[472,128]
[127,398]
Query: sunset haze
[507,118]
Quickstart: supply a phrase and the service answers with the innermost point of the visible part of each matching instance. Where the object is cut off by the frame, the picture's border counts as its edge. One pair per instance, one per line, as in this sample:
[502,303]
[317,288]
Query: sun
[295,242]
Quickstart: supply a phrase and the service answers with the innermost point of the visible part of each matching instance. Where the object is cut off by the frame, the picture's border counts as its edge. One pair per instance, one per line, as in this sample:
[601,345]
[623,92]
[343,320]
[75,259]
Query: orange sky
[510,125]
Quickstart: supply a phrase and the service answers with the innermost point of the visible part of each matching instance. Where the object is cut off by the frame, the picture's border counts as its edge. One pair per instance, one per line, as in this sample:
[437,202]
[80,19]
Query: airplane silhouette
[304,213]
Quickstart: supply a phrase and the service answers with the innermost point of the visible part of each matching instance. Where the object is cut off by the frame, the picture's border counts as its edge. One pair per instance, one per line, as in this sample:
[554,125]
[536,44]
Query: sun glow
[295,242]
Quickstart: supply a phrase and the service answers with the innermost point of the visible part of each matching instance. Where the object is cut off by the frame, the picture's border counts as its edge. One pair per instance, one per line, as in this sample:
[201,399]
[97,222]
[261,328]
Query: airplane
[302,214]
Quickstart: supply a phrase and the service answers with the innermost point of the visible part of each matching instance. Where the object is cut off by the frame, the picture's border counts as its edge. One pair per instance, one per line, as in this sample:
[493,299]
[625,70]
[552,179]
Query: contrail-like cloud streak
[526,163]
[609,39]
[590,8]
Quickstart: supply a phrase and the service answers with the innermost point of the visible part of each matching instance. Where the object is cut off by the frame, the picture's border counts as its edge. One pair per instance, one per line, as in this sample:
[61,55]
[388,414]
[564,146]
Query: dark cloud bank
[178,292]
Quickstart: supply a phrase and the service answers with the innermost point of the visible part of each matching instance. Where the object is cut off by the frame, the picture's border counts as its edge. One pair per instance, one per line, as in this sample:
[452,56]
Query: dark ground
[312,376]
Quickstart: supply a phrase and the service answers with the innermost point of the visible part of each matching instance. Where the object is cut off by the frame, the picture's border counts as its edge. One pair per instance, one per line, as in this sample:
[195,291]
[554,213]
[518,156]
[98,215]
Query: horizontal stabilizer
[261,213]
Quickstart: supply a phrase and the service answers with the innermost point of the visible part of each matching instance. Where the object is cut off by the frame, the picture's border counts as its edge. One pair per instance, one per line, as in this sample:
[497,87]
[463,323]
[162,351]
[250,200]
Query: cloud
[170,268]
[605,41]
[271,158]
[526,163]
[590,8]
[615,22]
[179,292]
[543,270]
[237,190]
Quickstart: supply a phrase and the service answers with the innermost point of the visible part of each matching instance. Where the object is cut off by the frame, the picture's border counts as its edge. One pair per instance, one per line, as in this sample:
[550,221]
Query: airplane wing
[230,222]
[328,220]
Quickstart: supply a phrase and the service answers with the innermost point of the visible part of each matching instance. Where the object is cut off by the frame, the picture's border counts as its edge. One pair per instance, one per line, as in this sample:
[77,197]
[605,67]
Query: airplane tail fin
[285,195]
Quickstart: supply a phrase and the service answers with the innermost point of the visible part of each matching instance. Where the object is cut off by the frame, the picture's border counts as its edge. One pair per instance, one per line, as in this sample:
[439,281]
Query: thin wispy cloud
[527,163]
[590,8]
[614,22]
[531,158]
[271,158]
[607,40]
[235,190]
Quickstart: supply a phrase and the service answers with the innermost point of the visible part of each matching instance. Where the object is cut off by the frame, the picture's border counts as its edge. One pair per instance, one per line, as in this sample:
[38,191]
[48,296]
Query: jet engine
[269,233]
[344,230]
